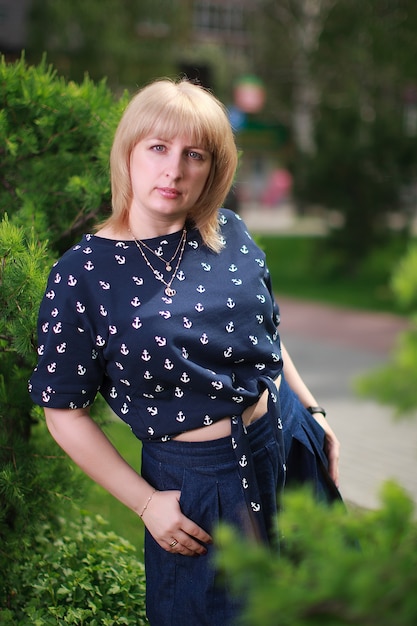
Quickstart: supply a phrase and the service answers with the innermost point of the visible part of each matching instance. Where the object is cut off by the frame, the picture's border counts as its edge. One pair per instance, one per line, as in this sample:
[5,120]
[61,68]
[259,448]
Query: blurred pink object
[278,188]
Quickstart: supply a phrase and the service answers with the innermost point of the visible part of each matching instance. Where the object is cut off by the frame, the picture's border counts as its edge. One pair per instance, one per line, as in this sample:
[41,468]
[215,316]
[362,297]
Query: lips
[169,192]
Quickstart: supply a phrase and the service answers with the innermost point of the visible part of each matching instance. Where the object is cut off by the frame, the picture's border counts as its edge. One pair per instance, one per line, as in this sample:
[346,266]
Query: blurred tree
[360,100]
[128,42]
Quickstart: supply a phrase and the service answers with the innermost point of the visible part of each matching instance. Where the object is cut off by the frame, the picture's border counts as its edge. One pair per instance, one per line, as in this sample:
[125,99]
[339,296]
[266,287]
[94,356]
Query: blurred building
[13,26]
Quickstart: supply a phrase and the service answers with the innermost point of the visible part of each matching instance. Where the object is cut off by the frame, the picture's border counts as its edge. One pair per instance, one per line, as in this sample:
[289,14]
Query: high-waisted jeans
[187,590]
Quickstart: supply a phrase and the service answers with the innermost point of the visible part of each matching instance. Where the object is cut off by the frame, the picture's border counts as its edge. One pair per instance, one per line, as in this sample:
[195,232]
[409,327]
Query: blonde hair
[168,108]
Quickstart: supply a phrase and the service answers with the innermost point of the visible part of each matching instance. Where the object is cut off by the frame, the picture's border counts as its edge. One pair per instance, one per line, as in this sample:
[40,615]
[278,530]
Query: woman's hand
[331,448]
[170,528]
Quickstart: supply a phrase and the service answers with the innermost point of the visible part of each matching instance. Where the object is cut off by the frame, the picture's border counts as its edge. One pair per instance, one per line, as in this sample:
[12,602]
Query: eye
[195,155]
[158,148]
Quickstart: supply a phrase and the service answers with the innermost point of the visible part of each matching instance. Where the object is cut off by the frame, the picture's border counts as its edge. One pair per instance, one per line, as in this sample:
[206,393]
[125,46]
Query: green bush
[77,574]
[336,568]
[395,382]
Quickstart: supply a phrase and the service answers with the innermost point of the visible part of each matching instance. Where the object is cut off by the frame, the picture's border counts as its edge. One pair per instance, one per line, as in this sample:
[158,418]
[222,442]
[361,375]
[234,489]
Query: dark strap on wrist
[316,409]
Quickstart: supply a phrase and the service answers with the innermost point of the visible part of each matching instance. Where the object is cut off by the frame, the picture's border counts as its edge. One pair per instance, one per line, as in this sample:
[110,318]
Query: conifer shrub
[336,567]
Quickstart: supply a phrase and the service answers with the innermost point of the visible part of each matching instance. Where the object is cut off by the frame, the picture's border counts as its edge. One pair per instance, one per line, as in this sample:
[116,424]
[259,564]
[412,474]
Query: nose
[174,166]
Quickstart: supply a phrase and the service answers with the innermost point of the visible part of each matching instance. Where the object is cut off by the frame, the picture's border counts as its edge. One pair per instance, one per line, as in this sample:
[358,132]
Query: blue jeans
[188,590]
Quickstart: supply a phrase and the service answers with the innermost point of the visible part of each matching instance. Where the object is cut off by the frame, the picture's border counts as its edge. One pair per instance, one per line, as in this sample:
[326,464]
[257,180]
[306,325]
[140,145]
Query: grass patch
[302,267]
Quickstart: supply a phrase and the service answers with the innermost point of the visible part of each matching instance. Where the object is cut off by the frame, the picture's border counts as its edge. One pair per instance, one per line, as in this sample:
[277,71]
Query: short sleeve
[70,365]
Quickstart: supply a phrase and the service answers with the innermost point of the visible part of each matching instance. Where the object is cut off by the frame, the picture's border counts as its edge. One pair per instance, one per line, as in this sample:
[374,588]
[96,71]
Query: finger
[195,531]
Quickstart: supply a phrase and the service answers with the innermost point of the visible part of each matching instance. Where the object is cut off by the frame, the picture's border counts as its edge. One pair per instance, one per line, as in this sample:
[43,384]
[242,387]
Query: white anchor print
[122,244]
[204,339]
[207,421]
[146,356]
[45,327]
[58,278]
[233,268]
[201,289]
[217,384]
[119,365]
[51,367]
[231,303]
[135,302]
[100,342]
[206,267]
[187,323]
[199,307]
[159,388]
[228,352]
[245,483]
[103,311]
[57,328]
[124,349]
[243,461]
[51,294]
[80,307]
[261,298]
[166,300]
[244,249]
[180,417]
[120,259]
[237,399]
[54,312]
[161,341]
[89,266]
[255,507]
[151,431]
[94,354]
[165,314]
[260,366]
[178,392]
[185,378]
[137,281]
[45,396]
[237,281]
[230,327]
[223,220]
[41,350]
[87,250]
[260,262]
[104,285]
[61,348]
[234,444]
[71,281]
[168,365]
[253,339]
[113,393]
[184,353]
[125,382]
[193,244]
[152,410]
[279,423]
[137,323]
[124,409]
[112,330]
[147,375]
[180,276]
[81,370]
[275,357]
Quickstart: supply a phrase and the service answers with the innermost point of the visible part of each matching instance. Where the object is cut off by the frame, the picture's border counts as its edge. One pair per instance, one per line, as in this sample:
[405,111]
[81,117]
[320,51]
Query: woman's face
[168,177]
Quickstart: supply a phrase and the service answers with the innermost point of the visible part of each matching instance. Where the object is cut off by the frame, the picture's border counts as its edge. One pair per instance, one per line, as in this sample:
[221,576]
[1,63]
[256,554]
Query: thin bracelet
[147,504]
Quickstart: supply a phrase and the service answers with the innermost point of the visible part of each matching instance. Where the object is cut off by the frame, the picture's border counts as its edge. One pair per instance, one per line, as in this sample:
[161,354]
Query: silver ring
[173,543]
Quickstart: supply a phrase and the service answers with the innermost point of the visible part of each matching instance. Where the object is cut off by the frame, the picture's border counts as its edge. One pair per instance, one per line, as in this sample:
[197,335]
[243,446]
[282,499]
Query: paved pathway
[331,347]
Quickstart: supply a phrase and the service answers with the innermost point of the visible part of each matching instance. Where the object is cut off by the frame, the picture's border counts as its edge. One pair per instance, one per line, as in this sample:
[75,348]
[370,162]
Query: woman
[168,312]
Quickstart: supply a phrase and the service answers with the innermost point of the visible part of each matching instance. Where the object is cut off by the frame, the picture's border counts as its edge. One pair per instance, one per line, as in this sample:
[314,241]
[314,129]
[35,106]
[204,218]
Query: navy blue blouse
[165,365]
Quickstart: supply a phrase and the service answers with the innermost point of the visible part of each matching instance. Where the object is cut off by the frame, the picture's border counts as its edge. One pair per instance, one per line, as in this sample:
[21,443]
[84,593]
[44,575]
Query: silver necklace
[169,291]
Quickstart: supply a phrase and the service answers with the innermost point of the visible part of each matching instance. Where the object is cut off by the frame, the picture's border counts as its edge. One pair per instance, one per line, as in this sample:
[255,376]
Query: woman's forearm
[83,440]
